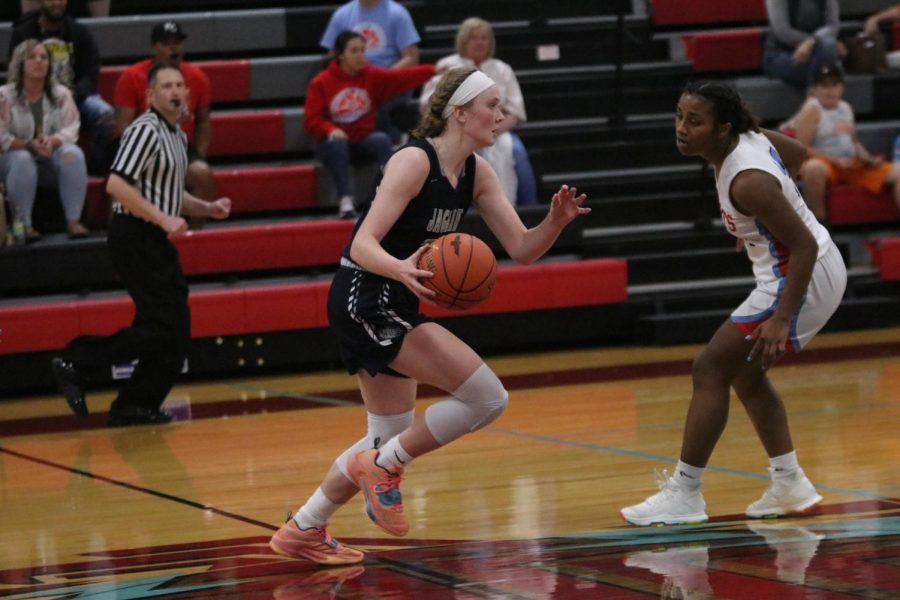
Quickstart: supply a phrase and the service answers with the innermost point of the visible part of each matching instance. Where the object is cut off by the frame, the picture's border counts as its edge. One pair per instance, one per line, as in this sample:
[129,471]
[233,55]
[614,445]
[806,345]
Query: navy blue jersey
[437,208]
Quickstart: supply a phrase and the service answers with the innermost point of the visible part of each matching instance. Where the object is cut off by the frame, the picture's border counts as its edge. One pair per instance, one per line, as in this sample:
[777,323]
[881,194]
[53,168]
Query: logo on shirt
[349,105]
[444,220]
[373,34]
[728,220]
[777,158]
[62,57]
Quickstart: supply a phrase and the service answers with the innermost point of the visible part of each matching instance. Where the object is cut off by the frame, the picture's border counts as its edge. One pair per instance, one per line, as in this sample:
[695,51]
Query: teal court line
[872,495]
[245,387]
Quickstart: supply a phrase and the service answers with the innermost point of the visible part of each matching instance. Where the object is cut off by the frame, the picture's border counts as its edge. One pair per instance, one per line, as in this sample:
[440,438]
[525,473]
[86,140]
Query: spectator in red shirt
[341,105]
[130,99]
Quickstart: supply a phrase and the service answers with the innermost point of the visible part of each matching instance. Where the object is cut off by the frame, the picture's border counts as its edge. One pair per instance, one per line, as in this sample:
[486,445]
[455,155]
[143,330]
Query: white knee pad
[475,403]
[381,429]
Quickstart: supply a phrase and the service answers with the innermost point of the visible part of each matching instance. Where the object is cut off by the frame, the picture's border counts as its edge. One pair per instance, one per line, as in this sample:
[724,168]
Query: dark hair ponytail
[727,105]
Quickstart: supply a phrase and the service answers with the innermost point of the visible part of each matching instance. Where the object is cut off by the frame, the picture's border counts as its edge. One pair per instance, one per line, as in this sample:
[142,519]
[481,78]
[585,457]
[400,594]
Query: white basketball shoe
[672,505]
[793,496]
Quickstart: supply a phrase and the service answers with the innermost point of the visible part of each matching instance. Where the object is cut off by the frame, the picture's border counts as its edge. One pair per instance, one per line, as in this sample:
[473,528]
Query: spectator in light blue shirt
[391,42]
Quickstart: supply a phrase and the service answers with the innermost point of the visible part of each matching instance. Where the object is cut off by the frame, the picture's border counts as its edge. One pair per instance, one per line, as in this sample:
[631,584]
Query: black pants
[147,264]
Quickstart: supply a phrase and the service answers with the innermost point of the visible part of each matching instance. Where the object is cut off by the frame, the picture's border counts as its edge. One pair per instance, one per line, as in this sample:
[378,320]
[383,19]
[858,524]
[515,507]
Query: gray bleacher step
[697,326]
[655,237]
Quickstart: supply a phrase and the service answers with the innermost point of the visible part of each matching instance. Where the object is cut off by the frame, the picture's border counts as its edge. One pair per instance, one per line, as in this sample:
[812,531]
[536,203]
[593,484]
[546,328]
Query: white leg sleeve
[381,429]
[474,404]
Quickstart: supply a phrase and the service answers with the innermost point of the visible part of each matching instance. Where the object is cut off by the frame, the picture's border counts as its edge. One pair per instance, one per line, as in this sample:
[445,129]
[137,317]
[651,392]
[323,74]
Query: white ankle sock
[316,512]
[392,454]
[785,467]
[688,476]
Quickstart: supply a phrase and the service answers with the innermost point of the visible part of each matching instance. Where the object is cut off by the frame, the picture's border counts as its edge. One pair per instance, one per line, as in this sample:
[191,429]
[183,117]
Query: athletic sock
[316,512]
[392,454]
[786,467]
[688,477]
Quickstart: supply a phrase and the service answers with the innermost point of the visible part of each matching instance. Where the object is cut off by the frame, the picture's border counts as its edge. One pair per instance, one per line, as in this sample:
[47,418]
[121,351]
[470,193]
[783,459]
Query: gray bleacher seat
[773,100]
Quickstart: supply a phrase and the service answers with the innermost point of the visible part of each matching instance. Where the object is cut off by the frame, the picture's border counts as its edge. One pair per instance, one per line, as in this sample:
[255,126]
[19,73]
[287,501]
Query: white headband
[471,86]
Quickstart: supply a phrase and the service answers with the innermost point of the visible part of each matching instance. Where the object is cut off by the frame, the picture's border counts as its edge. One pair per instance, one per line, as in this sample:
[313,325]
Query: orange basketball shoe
[381,487]
[314,544]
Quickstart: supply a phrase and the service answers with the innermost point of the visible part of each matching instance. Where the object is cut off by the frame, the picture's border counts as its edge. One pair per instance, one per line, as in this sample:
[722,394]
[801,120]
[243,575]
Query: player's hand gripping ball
[464,268]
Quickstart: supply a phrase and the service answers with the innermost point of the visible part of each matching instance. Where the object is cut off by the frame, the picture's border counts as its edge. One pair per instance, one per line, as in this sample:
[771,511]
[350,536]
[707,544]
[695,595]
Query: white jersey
[770,257]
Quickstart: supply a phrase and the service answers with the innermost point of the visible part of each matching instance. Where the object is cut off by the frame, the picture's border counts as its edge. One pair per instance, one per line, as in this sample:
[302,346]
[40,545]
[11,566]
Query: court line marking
[246,387]
[137,488]
[667,459]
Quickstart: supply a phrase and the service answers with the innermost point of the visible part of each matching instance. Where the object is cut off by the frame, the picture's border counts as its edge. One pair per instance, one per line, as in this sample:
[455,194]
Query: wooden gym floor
[525,509]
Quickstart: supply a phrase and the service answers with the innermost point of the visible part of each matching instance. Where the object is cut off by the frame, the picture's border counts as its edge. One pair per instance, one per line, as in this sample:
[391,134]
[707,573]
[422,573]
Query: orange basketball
[464,268]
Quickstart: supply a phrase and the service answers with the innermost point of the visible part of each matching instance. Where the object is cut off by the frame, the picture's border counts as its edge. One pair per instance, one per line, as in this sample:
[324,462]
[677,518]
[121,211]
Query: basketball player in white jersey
[800,279]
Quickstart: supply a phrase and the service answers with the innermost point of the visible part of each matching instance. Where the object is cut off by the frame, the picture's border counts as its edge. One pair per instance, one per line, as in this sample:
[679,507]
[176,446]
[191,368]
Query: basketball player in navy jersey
[373,307]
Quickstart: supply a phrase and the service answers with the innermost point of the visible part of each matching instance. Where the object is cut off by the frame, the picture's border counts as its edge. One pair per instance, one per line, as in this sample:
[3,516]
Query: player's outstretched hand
[567,204]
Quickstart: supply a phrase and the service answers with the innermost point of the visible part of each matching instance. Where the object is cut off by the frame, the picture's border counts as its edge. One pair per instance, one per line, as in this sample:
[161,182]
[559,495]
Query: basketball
[464,268]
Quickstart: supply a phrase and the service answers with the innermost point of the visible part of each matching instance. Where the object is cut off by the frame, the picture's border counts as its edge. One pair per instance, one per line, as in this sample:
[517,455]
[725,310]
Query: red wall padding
[889,263]
[251,132]
[850,204]
[272,246]
[48,326]
[724,50]
[552,285]
[254,189]
[682,12]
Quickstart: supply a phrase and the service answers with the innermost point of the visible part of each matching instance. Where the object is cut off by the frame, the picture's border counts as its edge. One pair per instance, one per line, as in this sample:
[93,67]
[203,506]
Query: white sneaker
[346,209]
[673,505]
[684,569]
[784,498]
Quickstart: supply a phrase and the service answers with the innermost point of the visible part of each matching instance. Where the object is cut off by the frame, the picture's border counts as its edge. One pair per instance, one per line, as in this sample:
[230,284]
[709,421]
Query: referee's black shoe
[70,385]
[136,415]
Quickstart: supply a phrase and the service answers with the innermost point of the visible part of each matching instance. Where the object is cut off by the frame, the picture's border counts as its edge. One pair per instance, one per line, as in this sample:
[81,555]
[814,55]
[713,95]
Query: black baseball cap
[830,71]
[165,30]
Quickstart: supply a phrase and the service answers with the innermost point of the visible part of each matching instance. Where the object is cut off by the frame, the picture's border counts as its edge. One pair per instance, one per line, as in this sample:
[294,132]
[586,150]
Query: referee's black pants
[148,266]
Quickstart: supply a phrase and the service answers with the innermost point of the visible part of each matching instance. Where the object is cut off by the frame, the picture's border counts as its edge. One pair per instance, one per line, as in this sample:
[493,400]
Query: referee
[147,183]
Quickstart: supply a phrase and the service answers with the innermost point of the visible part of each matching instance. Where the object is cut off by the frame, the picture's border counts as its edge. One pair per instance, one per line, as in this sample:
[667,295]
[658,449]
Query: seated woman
[341,104]
[826,124]
[802,37]
[475,45]
[38,133]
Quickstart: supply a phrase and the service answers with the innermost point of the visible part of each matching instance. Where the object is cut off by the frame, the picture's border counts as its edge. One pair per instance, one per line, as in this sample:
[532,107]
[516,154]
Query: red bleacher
[276,187]
[229,79]
[686,12]
[247,132]
[270,246]
[730,50]
[886,254]
[849,205]
[251,189]
[49,326]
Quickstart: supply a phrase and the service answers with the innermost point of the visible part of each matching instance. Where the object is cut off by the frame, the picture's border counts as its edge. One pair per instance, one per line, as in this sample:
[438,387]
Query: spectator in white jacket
[38,133]
[475,44]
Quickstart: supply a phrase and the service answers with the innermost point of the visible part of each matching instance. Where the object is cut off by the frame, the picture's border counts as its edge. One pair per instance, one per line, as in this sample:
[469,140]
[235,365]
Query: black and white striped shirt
[153,158]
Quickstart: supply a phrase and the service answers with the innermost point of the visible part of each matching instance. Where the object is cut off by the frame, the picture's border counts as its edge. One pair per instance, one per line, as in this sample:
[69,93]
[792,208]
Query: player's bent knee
[492,408]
